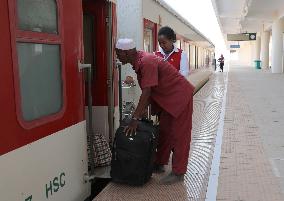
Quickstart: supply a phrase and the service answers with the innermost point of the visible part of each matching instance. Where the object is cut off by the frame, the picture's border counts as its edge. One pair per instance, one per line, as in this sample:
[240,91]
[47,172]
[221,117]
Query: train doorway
[98,52]
[98,39]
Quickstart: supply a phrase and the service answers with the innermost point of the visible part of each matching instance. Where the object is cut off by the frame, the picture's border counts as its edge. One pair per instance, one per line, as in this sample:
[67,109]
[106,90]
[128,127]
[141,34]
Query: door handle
[83,66]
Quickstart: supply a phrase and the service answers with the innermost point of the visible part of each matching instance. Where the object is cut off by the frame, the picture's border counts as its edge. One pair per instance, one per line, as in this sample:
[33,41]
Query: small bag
[102,152]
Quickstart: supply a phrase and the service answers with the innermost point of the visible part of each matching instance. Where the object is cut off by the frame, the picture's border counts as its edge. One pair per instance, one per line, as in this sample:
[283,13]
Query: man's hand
[130,129]
[129,80]
[142,104]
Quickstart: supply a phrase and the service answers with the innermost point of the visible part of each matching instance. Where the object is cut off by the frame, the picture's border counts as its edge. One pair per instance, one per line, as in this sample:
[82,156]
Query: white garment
[184,65]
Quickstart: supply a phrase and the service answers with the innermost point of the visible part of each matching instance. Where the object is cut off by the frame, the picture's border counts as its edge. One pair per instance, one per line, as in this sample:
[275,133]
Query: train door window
[37,60]
[40,79]
[150,36]
[148,40]
[37,15]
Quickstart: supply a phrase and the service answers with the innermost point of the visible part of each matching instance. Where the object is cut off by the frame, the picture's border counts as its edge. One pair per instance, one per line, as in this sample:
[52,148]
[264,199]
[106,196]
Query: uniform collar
[163,53]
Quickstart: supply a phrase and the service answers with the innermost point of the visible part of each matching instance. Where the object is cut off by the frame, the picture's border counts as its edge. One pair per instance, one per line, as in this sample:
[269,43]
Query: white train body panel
[51,168]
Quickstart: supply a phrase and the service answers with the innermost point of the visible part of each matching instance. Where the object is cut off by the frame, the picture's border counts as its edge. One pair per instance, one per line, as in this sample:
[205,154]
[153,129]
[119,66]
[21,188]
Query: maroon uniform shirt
[170,90]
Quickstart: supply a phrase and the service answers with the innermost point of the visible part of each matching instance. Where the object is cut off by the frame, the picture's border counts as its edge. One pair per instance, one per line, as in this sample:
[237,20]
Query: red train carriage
[43,129]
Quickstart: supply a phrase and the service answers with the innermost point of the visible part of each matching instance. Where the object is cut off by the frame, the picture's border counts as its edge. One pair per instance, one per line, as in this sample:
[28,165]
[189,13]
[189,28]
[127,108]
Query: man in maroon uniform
[162,84]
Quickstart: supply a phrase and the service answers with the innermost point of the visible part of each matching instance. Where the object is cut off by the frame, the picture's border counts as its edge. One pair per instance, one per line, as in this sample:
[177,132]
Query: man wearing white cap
[163,85]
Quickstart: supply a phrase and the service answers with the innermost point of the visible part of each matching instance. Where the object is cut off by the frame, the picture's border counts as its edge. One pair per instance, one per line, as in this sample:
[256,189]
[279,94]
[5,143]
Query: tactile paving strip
[207,107]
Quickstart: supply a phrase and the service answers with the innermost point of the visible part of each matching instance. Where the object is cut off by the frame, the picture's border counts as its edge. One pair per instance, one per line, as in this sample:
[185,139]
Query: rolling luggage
[133,156]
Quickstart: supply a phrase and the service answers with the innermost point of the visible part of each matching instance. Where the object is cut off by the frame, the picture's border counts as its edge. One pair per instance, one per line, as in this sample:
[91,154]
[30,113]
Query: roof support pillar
[257,56]
[277,46]
[265,37]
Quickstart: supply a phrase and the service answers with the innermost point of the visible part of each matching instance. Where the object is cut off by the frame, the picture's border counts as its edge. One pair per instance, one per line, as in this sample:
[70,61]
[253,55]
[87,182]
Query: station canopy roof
[247,16]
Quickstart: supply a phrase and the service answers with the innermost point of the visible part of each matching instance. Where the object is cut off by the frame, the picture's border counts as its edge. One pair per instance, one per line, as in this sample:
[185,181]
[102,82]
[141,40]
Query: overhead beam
[281,14]
[214,4]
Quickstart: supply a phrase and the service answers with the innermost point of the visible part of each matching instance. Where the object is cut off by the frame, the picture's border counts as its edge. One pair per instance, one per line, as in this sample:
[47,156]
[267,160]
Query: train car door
[43,140]
[95,51]
[99,27]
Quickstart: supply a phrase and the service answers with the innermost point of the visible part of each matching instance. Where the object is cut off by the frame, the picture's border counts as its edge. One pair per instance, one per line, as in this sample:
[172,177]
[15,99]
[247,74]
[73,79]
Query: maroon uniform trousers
[175,136]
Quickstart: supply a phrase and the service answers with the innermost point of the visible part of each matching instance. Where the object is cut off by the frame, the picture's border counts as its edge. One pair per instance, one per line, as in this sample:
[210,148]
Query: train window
[37,46]
[148,40]
[40,79]
[178,44]
[37,15]
[150,36]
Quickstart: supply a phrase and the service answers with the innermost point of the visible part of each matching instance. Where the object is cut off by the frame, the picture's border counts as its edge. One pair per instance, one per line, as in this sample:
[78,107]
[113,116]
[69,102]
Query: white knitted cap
[125,44]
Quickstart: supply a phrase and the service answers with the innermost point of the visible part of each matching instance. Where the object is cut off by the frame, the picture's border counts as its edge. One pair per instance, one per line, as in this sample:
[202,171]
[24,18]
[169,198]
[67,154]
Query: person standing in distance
[221,60]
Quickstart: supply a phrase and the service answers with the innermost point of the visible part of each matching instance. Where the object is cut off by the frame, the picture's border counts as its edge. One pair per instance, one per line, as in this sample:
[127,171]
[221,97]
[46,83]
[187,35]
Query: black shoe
[158,169]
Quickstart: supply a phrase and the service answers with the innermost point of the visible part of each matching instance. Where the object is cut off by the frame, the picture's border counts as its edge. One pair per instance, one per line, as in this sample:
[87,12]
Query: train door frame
[111,71]
[105,90]
[196,57]
[148,25]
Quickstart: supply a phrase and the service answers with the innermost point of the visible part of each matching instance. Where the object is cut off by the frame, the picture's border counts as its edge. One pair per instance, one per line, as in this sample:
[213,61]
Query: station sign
[241,37]
[235,46]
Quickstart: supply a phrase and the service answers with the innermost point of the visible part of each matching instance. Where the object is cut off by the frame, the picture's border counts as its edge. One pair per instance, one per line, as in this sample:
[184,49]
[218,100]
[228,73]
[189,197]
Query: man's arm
[143,103]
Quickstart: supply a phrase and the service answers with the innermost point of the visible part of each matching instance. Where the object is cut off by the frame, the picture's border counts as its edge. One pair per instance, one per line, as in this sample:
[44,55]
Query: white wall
[130,25]
[152,10]
[36,167]
[254,50]
[129,20]
[245,54]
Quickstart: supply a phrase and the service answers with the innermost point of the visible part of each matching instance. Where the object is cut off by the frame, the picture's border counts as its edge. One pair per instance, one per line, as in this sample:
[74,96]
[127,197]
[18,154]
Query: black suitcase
[133,156]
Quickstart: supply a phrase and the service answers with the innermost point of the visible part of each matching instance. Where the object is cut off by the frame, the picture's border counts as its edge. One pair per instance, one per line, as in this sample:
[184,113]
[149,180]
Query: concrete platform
[253,142]
[251,160]
[207,105]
